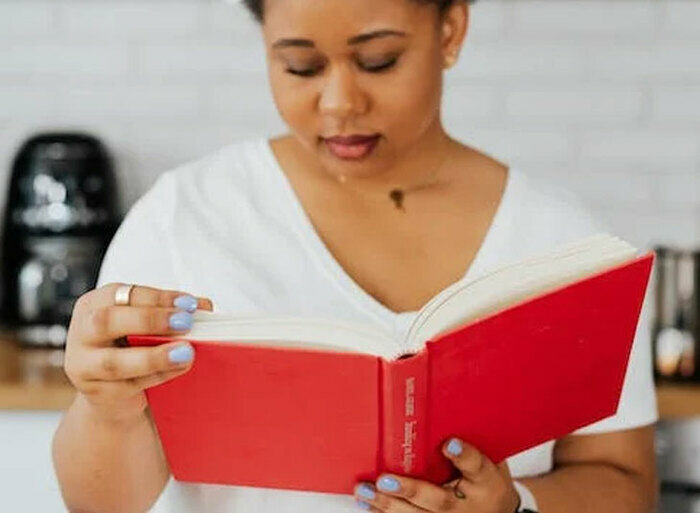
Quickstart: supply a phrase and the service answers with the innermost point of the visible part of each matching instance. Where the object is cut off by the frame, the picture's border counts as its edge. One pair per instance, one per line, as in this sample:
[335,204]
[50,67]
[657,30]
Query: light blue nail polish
[365,491]
[454,447]
[181,354]
[388,484]
[363,505]
[186,302]
[181,321]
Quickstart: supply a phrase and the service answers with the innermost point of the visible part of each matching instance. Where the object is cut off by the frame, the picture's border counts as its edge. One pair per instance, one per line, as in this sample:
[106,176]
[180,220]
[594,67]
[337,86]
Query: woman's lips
[352,147]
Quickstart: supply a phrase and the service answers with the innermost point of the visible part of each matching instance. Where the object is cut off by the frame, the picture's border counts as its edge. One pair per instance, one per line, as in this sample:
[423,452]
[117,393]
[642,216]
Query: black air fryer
[61,212]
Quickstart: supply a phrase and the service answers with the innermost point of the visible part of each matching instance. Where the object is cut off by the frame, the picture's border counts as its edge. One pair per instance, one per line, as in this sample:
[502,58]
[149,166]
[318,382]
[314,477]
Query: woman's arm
[611,472]
[106,453]
[107,466]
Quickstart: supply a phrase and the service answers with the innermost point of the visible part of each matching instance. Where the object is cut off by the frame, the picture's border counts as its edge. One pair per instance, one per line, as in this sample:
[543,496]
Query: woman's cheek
[296,107]
[408,113]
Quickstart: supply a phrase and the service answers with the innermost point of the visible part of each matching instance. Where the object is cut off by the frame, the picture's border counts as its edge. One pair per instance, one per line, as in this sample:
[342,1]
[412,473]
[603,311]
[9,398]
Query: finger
[205,304]
[371,499]
[504,470]
[119,390]
[462,489]
[473,465]
[103,325]
[146,296]
[421,494]
[117,363]
[363,505]
[158,379]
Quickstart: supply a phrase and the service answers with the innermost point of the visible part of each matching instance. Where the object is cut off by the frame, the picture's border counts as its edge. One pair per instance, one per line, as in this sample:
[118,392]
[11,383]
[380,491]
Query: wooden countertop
[33,379]
[678,401]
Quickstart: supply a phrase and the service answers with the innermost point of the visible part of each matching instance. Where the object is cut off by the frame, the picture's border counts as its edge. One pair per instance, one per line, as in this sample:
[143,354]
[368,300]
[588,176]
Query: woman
[366,210]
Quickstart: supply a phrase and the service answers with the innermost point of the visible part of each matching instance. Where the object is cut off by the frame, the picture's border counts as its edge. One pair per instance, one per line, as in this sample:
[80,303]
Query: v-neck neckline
[493,242]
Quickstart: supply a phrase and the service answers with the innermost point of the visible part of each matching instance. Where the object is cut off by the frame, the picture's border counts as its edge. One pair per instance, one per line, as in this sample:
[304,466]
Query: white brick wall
[24,18]
[682,19]
[572,107]
[131,18]
[575,19]
[601,96]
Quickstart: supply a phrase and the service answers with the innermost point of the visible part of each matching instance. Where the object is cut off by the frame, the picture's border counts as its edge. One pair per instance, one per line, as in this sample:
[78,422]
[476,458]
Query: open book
[526,353]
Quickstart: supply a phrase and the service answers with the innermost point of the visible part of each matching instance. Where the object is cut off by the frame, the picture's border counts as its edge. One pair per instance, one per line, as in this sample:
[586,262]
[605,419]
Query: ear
[455,23]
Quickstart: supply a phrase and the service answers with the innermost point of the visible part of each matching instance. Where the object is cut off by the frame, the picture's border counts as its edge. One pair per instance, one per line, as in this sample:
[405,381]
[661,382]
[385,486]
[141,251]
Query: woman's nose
[341,96]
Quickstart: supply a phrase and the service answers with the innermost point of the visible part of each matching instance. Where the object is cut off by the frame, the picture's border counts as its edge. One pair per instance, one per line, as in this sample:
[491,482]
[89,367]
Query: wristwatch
[527,503]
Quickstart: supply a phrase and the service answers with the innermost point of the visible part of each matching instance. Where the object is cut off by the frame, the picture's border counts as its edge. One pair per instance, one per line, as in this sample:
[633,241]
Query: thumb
[504,470]
[473,465]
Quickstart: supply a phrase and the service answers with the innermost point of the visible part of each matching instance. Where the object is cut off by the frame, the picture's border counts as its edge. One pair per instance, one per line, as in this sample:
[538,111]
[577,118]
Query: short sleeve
[139,252]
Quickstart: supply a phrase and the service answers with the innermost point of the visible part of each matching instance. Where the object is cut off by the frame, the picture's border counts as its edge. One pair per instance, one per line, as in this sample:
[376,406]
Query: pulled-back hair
[256,6]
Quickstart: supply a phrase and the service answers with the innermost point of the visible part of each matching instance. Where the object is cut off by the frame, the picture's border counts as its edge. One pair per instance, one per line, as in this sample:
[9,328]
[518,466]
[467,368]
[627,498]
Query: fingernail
[388,484]
[365,491]
[181,321]
[454,447]
[186,302]
[363,505]
[181,354]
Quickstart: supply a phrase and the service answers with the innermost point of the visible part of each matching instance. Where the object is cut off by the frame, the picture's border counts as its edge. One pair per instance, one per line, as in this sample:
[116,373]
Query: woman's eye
[310,72]
[379,67]
[303,72]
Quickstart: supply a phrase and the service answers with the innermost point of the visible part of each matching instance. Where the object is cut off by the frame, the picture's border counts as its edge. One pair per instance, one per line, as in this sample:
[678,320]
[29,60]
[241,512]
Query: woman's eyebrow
[361,38]
[375,35]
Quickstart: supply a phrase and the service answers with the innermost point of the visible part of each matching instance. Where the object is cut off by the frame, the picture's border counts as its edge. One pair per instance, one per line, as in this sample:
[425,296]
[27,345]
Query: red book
[261,408]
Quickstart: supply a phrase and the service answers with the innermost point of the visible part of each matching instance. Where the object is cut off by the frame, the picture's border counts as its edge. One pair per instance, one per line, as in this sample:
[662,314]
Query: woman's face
[370,68]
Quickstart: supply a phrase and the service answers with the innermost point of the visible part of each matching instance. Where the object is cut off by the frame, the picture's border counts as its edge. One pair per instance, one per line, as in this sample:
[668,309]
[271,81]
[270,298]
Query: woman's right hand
[112,378]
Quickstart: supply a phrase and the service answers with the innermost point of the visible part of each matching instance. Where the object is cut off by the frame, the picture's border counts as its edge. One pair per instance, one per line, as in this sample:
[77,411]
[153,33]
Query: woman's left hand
[484,486]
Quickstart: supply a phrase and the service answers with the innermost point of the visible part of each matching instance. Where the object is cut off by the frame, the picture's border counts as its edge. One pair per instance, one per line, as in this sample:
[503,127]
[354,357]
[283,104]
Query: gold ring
[122,295]
[458,493]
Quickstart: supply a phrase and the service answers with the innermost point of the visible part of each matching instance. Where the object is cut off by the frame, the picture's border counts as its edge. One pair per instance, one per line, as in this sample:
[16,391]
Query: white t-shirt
[230,227]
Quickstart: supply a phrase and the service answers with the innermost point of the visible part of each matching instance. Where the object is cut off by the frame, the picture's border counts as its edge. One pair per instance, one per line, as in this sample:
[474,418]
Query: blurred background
[601,96]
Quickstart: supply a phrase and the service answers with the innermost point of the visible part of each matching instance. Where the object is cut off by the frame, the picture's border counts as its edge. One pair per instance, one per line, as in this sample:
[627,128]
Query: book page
[294,332]
[517,282]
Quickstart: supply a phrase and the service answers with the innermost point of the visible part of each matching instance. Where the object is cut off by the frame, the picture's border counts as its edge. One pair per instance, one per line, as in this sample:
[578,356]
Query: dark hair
[256,6]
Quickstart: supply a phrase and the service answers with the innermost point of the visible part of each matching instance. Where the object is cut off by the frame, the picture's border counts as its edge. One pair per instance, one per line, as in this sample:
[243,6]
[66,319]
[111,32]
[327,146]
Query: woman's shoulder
[206,195]
[212,189]
[231,172]
[232,164]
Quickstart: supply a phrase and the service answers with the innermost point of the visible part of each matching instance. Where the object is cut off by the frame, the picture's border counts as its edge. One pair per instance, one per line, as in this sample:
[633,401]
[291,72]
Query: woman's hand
[483,488]
[112,378]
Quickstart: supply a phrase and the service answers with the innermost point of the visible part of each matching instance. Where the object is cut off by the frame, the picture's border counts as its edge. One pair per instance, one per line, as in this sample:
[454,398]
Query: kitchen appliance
[678,463]
[61,212]
[676,331]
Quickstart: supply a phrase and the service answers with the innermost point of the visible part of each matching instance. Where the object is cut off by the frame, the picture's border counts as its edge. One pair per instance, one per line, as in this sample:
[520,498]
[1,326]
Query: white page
[294,332]
[516,282]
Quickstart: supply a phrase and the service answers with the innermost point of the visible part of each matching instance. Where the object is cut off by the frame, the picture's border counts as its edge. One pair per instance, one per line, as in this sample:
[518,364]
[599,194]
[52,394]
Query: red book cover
[322,421]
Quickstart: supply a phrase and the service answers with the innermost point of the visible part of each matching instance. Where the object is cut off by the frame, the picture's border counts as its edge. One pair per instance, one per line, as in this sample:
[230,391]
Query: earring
[450,60]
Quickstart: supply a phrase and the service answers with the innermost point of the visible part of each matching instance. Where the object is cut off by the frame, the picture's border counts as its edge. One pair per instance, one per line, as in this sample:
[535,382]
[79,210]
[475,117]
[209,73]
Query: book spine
[404,415]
